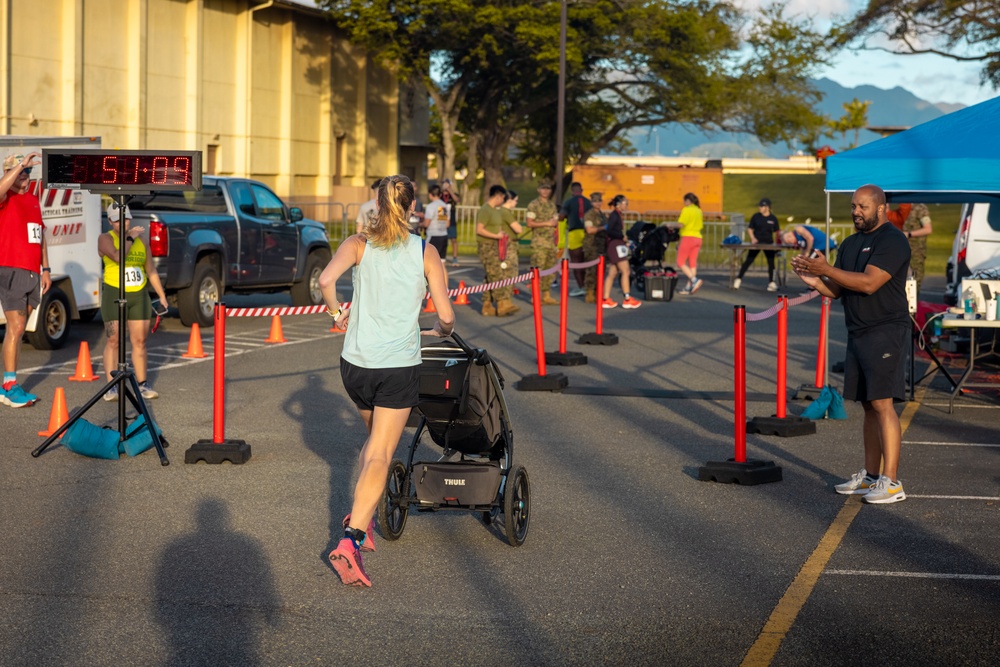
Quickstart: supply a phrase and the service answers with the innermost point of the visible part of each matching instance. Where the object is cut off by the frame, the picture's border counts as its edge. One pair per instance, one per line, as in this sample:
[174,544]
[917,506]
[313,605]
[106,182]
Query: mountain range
[896,107]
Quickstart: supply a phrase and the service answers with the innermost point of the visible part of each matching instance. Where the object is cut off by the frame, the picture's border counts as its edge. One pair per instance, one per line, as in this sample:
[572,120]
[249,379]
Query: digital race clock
[121,172]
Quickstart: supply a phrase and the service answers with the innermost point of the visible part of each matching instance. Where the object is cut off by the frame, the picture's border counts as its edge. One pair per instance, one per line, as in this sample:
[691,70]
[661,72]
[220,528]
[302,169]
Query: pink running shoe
[631,303]
[369,544]
[346,560]
[608,303]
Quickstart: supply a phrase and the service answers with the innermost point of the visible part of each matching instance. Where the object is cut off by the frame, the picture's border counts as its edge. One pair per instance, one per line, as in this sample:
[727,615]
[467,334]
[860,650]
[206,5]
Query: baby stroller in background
[649,244]
[462,408]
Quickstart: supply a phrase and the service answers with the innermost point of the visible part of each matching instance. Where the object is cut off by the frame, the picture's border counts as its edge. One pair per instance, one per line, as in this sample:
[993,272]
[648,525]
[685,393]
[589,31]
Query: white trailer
[72,224]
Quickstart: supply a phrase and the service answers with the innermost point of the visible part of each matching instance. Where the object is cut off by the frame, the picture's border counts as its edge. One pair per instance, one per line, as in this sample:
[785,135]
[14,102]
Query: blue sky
[931,78]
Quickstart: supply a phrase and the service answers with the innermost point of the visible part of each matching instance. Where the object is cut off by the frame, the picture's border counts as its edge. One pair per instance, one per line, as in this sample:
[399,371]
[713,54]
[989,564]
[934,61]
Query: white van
[976,246]
[73,223]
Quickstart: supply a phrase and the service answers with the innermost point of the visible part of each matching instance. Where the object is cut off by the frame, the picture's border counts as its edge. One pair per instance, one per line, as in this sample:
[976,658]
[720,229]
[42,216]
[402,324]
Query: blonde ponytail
[392,222]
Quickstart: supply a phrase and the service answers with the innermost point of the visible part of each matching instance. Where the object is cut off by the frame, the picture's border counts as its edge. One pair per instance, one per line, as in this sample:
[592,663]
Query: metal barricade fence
[340,218]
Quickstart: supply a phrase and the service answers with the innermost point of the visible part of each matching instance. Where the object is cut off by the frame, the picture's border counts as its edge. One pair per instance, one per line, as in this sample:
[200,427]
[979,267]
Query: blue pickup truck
[233,236]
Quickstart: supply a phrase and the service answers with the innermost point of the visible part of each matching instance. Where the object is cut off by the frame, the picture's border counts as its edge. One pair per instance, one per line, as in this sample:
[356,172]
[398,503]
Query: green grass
[801,196]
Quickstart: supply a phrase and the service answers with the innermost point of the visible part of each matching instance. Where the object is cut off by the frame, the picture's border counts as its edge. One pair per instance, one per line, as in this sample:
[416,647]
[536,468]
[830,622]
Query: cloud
[822,10]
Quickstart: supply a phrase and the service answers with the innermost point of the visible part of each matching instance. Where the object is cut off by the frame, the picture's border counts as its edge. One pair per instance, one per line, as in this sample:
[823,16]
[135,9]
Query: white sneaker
[737,283]
[859,483]
[579,291]
[885,491]
[772,286]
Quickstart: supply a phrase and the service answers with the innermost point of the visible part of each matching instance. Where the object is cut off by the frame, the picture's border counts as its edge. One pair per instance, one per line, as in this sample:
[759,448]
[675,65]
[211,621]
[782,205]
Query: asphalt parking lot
[629,560]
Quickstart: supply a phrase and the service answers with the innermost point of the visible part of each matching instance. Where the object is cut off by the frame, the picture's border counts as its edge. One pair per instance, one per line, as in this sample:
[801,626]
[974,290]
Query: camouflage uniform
[543,240]
[489,253]
[918,245]
[512,258]
[591,250]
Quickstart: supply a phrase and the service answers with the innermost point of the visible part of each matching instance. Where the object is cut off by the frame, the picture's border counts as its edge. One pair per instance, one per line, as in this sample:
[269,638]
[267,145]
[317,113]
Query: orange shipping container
[653,188]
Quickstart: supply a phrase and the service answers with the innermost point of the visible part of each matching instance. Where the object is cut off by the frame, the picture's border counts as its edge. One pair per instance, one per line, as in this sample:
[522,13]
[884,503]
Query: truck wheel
[197,302]
[306,292]
[52,328]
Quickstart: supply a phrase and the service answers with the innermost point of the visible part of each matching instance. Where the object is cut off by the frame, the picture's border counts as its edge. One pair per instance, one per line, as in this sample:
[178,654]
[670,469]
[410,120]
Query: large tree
[491,69]
[963,30]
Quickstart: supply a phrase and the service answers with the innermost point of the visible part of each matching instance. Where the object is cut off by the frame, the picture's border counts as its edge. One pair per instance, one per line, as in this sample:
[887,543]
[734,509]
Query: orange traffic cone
[59,414]
[429,308]
[463,298]
[276,335]
[195,350]
[84,370]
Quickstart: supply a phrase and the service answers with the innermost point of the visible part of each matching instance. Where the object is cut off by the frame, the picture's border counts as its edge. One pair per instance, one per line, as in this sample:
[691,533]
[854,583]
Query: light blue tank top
[389,288]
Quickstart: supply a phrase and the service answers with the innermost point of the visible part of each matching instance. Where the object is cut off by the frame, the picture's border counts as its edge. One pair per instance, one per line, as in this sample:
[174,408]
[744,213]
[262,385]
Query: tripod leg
[73,419]
[140,405]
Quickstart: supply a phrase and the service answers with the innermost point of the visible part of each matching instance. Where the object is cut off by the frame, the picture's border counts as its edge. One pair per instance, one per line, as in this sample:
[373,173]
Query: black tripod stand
[124,378]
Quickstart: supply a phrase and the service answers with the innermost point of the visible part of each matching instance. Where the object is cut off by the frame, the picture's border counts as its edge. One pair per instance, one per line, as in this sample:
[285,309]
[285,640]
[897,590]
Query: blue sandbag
[137,438]
[836,405]
[817,409]
[87,439]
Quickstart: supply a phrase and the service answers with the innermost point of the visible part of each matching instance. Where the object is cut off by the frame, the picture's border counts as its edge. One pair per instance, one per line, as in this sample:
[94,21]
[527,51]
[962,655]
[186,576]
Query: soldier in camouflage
[489,230]
[917,228]
[543,220]
[594,222]
[512,257]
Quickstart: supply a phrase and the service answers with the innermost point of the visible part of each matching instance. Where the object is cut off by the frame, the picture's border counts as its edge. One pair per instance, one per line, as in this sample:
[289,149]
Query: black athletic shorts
[876,364]
[441,243]
[369,388]
[19,288]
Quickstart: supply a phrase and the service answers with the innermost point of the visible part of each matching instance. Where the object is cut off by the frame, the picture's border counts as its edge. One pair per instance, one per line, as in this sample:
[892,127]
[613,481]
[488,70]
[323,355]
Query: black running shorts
[441,244]
[876,364]
[19,288]
[395,388]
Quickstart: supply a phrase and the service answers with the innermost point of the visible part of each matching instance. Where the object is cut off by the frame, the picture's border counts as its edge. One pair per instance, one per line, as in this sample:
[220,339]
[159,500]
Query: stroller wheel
[516,505]
[392,508]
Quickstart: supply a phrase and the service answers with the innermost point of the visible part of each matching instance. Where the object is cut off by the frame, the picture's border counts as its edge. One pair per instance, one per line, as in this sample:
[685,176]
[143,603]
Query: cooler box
[660,286]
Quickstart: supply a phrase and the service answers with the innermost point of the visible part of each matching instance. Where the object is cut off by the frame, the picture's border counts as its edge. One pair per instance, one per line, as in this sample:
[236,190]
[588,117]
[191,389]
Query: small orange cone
[463,298]
[59,414]
[429,308]
[195,350]
[276,335]
[84,369]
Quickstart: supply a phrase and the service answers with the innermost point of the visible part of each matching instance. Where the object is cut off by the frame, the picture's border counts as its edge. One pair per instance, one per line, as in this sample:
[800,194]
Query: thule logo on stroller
[454,482]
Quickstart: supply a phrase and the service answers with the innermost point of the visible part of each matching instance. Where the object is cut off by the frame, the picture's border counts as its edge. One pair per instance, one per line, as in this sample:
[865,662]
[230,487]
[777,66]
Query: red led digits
[110,166]
[182,169]
[160,166]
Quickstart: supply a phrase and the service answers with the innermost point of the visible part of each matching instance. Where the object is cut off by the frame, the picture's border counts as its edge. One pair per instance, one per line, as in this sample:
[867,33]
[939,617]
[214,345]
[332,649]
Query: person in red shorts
[23,267]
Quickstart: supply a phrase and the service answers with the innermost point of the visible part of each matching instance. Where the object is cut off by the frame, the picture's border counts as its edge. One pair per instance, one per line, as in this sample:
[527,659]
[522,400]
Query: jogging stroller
[649,243]
[463,410]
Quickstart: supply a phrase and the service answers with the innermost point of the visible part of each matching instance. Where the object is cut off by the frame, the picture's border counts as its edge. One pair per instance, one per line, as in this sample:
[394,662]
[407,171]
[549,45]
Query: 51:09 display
[123,170]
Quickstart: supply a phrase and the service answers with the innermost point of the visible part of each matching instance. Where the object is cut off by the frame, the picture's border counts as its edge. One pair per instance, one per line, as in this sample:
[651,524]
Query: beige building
[268,90]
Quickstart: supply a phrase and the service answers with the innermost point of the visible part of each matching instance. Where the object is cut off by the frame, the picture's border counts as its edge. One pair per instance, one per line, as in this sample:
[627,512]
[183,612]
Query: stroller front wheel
[393,508]
[516,505]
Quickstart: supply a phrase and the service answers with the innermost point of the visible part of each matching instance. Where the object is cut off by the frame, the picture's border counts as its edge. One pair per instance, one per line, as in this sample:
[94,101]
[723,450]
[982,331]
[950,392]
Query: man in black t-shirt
[869,277]
[762,228]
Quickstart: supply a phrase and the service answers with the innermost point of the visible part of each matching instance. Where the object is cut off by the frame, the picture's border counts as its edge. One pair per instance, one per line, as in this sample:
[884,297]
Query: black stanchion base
[234,451]
[535,382]
[598,339]
[566,358]
[807,392]
[750,473]
[786,427]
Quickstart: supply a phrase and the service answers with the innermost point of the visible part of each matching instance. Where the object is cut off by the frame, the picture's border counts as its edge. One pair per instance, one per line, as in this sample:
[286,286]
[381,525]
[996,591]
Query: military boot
[590,297]
[506,307]
[489,310]
[549,300]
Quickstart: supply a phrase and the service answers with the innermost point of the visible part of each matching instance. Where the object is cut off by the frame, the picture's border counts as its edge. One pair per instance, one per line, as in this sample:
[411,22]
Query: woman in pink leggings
[691,223]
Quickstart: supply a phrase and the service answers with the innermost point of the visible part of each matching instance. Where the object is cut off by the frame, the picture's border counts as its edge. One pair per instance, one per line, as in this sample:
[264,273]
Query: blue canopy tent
[954,158]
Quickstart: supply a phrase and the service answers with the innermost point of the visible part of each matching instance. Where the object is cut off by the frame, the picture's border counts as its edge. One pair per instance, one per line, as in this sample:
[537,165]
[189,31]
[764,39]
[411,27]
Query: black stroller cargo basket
[459,399]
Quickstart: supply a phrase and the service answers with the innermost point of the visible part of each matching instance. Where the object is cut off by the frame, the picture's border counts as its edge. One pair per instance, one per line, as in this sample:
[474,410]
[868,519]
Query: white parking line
[933,497]
[963,405]
[916,575]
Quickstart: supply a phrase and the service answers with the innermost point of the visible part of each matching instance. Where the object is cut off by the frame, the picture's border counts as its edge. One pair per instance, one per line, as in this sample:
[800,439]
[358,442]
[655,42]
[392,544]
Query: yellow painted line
[787,610]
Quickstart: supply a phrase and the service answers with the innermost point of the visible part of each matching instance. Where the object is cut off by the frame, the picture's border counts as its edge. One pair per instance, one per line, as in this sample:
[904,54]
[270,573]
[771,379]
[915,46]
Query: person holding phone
[139,273]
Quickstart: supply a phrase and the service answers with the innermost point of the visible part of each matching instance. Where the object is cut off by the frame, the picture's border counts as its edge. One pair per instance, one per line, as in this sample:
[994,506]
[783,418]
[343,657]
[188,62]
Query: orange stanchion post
[541,381]
[780,424]
[462,299]
[562,357]
[59,414]
[811,392]
[84,369]
[598,337]
[739,469]
[276,335]
[218,449]
[195,350]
